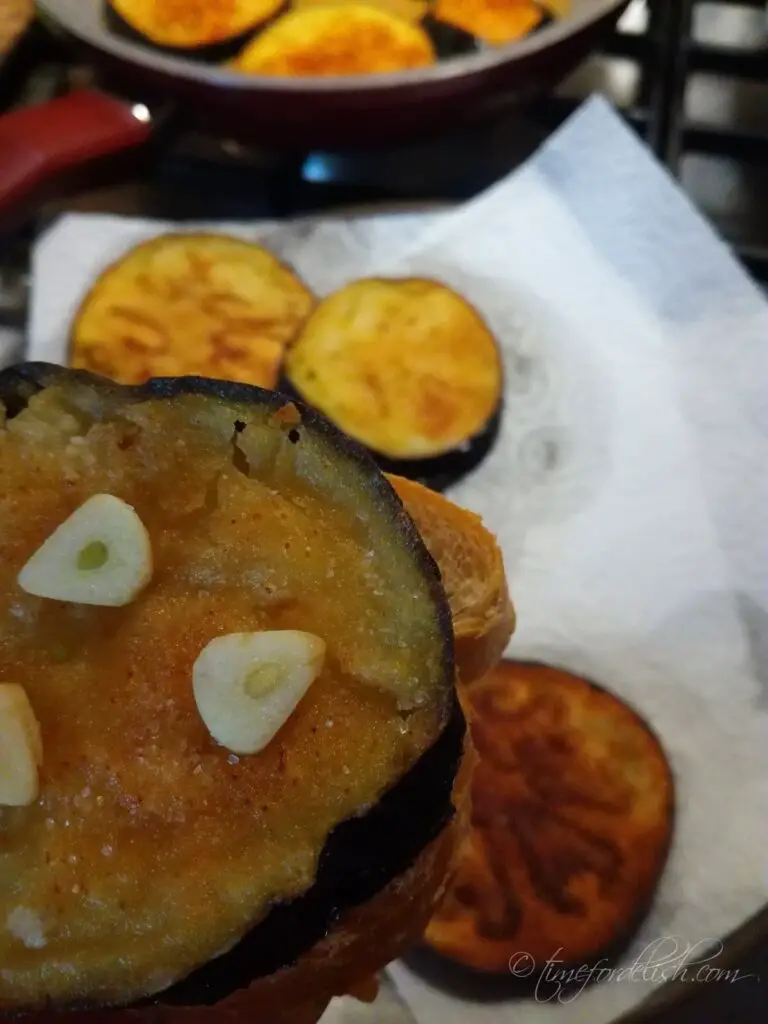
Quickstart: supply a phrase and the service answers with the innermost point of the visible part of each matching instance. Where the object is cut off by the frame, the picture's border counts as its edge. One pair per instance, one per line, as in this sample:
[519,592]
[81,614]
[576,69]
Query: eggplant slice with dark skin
[190,30]
[408,368]
[401,797]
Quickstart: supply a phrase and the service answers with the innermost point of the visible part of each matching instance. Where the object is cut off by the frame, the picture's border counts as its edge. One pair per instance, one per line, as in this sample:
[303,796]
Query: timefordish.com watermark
[668,959]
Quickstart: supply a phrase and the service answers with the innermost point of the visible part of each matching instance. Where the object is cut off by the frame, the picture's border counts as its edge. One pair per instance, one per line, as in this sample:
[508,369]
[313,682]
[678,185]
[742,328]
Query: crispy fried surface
[410,10]
[472,568]
[493,21]
[15,15]
[406,366]
[190,304]
[353,39]
[363,941]
[572,812]
[194,23]
[151,849]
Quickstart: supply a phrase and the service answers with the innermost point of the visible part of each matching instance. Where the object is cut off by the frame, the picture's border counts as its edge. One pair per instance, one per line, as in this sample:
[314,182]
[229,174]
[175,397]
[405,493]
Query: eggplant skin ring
[573,807]
[350,39]
[310,864]
[192,24]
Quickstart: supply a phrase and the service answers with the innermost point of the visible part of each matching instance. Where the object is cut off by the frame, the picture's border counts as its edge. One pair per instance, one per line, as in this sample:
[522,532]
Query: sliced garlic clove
[21,748]
[100,555]
[247,685]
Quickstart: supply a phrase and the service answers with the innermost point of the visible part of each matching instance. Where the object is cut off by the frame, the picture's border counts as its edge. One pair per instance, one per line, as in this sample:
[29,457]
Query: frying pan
[41,144]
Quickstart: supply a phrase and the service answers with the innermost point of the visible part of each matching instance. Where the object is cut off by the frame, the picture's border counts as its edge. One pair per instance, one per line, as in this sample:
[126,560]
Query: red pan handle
[40,145]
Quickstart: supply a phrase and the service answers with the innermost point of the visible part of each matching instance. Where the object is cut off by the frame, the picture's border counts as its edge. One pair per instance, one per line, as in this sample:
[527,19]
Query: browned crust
[365,937]
[477,653]
[205,30]
[19,382]
[156,242]
[15,15]
[351,39]
[567,843]
[448,459]
[364,940]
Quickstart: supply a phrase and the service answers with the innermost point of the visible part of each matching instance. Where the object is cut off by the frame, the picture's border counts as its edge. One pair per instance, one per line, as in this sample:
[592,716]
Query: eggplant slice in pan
[406,367]
[172,556]
[349,39]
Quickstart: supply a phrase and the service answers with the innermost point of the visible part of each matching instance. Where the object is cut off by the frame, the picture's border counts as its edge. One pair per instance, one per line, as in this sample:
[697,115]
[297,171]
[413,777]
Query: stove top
[691,76]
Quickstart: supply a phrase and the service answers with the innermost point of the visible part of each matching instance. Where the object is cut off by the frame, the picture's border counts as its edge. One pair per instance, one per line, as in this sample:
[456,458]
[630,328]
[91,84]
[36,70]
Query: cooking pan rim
[444,71]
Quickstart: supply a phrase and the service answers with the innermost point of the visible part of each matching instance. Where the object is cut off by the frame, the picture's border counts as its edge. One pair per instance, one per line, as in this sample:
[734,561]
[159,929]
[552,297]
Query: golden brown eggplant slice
[472,567]
[405,366]
[410,10]
[572,816]
[351,39]
[203,304]
[495,22]
[156,862]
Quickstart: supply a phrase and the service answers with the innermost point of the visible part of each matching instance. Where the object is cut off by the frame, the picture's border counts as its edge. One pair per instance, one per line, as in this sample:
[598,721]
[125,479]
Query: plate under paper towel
[627,487]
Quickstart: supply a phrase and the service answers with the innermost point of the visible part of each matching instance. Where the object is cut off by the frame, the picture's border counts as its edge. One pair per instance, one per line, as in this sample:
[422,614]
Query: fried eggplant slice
[197,304]
[193,24]
[352,39]
[557,8]
[157,862]
[572,816]
[405,366]
[410,10]
[472,567]
[495,22]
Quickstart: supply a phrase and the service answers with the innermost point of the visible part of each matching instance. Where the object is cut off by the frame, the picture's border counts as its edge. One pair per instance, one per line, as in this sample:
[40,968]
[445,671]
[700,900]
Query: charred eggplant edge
[378,845]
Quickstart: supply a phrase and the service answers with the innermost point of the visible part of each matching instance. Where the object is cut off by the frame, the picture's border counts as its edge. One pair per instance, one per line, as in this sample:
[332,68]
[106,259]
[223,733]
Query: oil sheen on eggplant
[408,367]
[361,857]
[244,431]
[440,471]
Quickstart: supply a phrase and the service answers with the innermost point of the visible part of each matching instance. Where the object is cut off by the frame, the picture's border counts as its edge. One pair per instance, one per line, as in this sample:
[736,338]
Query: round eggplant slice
[571,822]
[495,22]
[351,39]
[409,10]
[182,304]
[214,29]
[408,368]
[152,850]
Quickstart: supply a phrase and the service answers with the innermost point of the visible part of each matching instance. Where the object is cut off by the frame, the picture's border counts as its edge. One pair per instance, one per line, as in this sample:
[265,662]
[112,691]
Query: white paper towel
[627,487]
